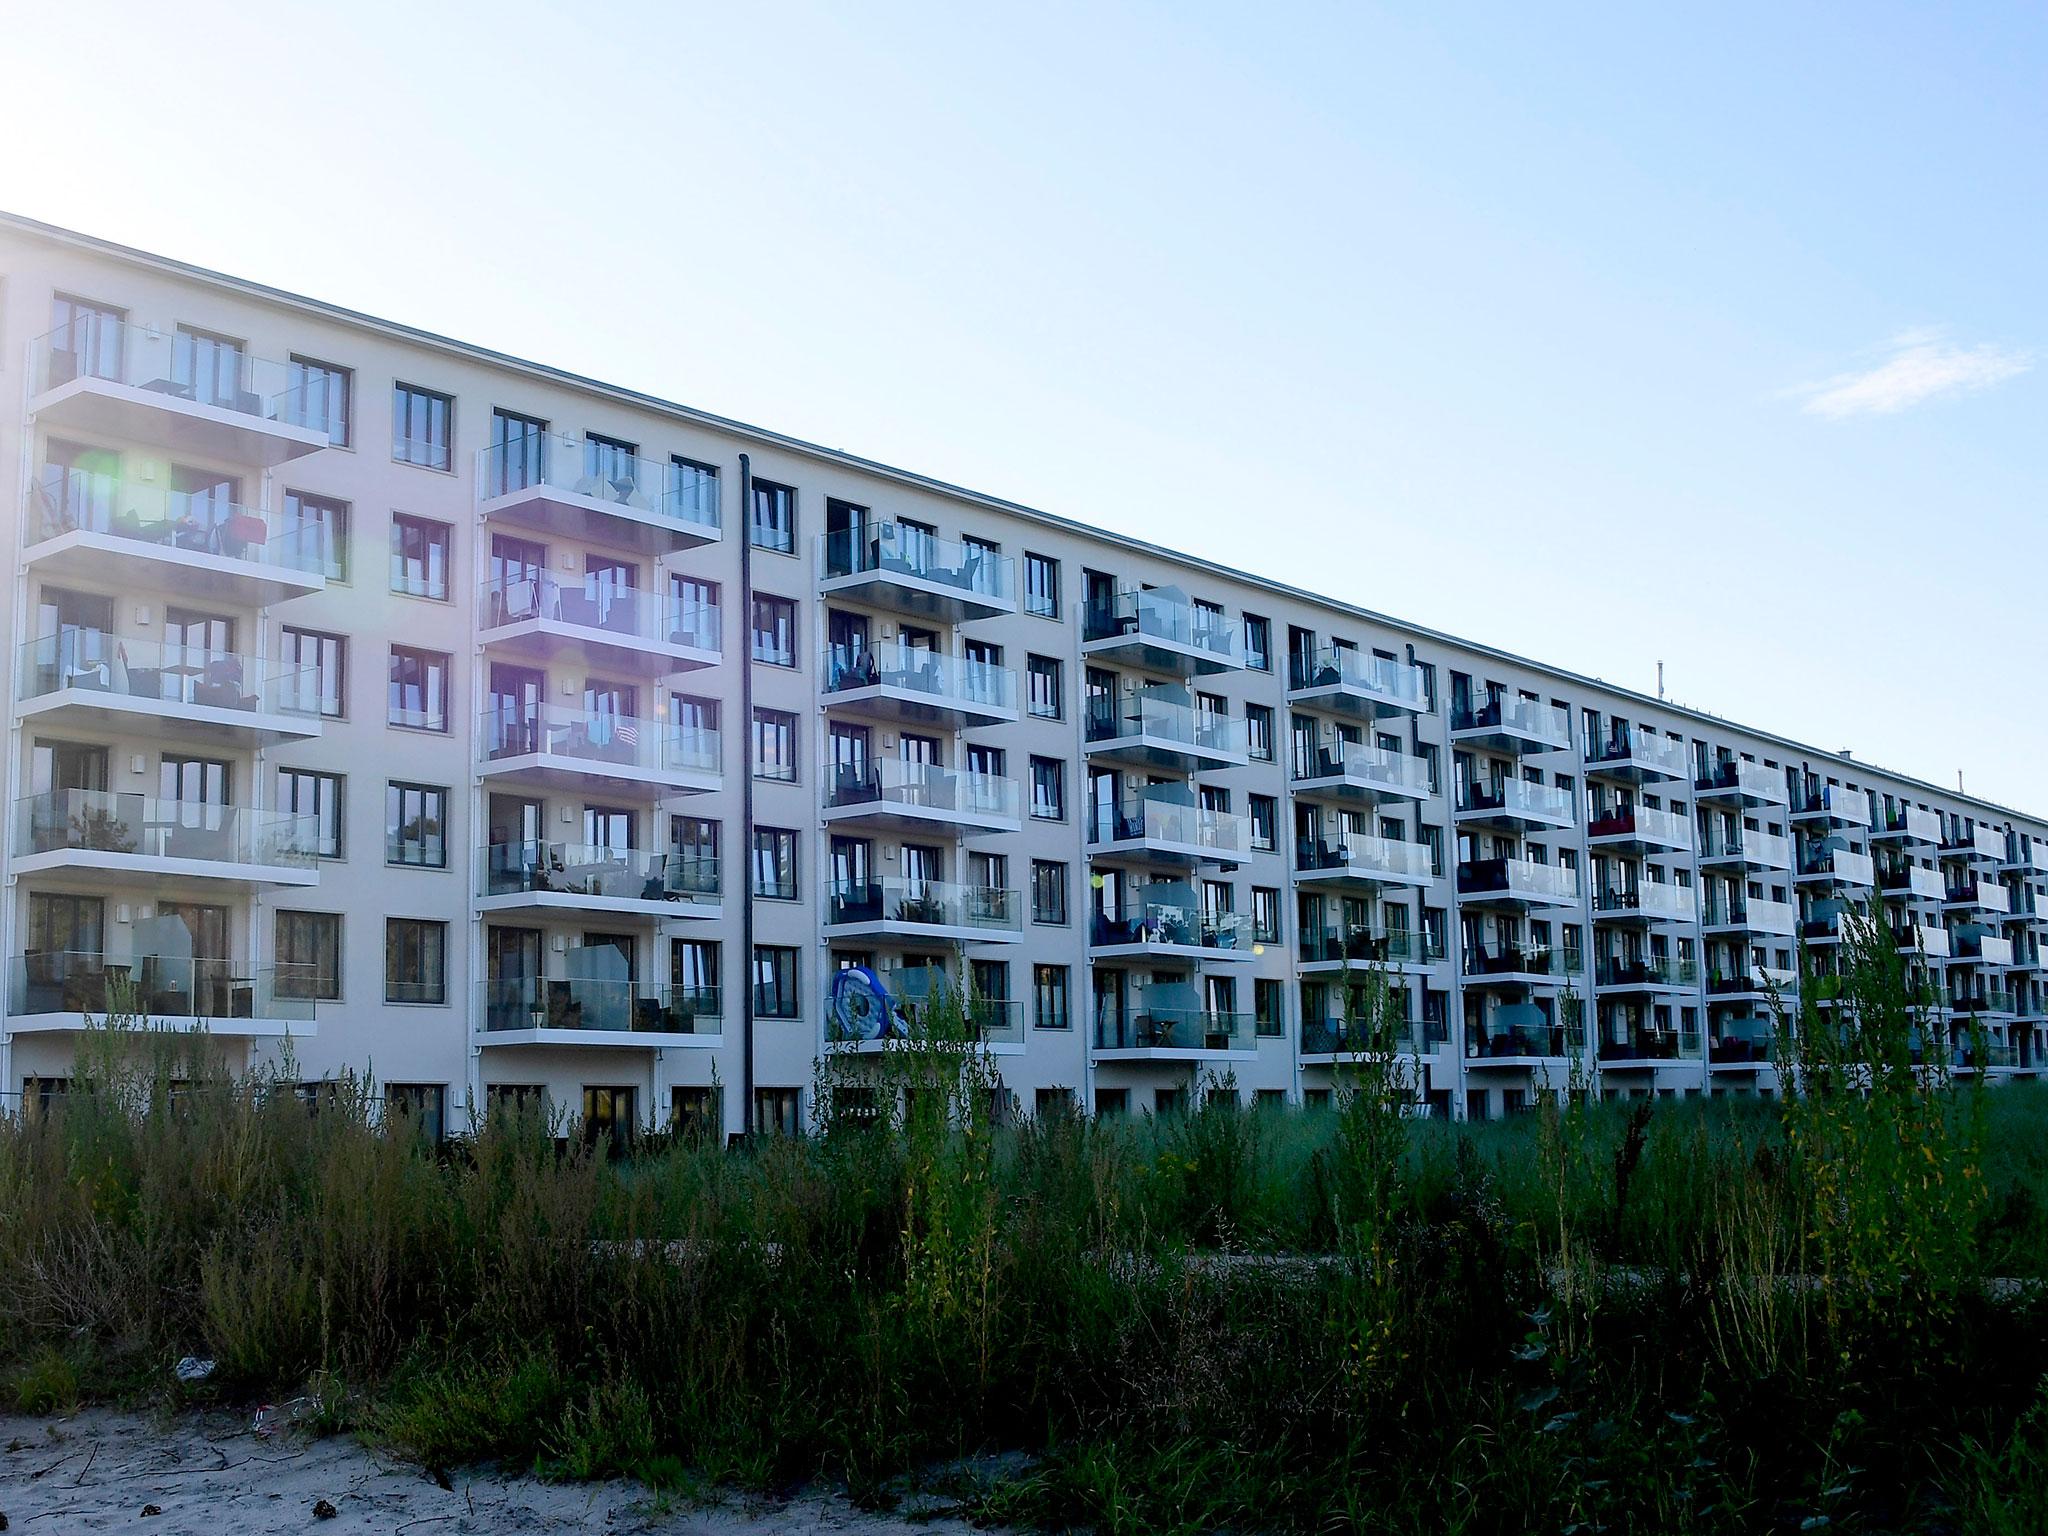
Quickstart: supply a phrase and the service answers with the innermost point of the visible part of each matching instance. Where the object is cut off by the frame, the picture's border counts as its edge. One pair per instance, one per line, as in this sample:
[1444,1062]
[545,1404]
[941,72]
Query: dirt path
[103,1471]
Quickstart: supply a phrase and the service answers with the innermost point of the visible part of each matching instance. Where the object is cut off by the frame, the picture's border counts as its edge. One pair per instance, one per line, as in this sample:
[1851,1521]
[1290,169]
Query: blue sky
[1607,335]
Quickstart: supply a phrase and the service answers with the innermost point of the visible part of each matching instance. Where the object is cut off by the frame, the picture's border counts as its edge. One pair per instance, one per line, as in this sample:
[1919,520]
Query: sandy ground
[103,1471]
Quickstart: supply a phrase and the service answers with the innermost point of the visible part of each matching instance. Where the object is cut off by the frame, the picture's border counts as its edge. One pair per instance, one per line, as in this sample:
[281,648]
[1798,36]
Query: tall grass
[1679,1316]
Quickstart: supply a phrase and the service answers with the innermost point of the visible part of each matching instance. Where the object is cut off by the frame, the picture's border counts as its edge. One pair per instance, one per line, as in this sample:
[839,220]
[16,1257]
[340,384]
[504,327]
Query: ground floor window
[776,1111]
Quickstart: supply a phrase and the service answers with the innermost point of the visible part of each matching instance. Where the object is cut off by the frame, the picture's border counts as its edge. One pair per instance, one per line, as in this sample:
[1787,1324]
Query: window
[1044,688]
[316,671]
[415,960]
[418,692]
[693,854]
[1050,998]
[693,491]
[422,427]
[309,955]
[1258,731]
[419,557]
[424,1105]
[1042,586]
[1048,891]
[774,630]
[317,396]
[416,825]
[1269,1006]
[775,745]
[318,527]
[302,792]
[774,875]
[772,524]
[1048,789]
[1258,643]
[519,453]
[1265,813]
[775,982]
[1265,914]
[778,1111]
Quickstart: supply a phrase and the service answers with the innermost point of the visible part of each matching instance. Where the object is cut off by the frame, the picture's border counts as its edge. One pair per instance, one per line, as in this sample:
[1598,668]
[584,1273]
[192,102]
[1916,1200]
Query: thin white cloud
[1913,367]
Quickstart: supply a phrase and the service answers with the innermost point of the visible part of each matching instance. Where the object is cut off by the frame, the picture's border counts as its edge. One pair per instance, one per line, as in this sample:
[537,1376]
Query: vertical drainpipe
[746,849]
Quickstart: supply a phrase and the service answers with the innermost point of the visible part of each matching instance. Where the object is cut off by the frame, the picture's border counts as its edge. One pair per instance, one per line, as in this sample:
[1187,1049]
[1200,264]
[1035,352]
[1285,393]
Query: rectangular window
[1051,1006]
[775,995]
[318,396]
[419,556]
[693,491]
[1042,586]
[1269,1006]
[1048,789]
[317,797]
[775,745]
[1265,815]
[778,1111]
[1258,643]
[309,955]
[1048,891]
[317,527]
[1045,687]
[774,873]
[1258,731]
[423,1105]
[772,518]
[316,671]
[774,630]
[416,825]
[1265,914]
[417,697]
[422,427]
[415,960]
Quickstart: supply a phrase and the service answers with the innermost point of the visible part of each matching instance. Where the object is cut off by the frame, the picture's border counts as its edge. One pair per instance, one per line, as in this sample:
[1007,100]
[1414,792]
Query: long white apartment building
[380,703]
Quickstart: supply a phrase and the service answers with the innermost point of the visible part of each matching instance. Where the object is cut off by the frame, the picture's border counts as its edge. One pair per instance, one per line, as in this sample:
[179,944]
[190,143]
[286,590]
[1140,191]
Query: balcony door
[72,630]
[610,829]
[849,746]
[199,662]
[848,536]
[85,341]
[518,452]
[209,368]
[852,867]
[183,957]
[515,699]
[202,501]
[519,580]
[610,589]
[513,994]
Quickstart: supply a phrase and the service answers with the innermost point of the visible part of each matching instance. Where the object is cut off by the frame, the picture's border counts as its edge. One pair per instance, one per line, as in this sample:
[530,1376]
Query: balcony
[1160,728]
[1922,941]
[1639,829]
[179,391]
[1325,1040]
[998,1022]
[63,990]
[1755,984]
[1345,680]
[1162,922]
[93,525]
[1739,782]
[621,630]
[1747,850]
[1637,757]
[1515,726]
[1977,842]
[1648,901]
[922,911]
[108,682]
[1521,1036]
[1161,829]
[1907,824]
[1357,774]
[1175,1034]
[80,837]
[597,1011]
[577,749]
[1625,1044]
[1979,896]
[1518,966]
[1755,914]
[1974,946]
[1977,1005]
[1744,1044]
[2025,855]
[894,681]
[1331,945]
[1912,882]
[553,484]
[1355,859]
[1516,884]
[909,571]
[1158,629]
[1516,805]
[1645,973]
[1834,805]
[1843,867]
[573,877]
[920,797]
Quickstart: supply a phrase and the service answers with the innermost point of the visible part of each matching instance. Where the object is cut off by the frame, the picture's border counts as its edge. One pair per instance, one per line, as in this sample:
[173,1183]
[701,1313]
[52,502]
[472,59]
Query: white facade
[270,558]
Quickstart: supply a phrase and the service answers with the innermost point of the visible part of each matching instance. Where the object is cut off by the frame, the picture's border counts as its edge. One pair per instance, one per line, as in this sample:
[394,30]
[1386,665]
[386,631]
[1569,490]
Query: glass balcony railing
[79,498]
[625,614]
[1369,946]
[1529,719]
[1523,960]
[1650,898]
[1335,1036]
[160,986]
[1843,865]
[1550,1041]
[89,661]
[1764,850]
[901,550]
[1755,914]
[1643,750]
[1741,1042]
[188,366]
[1174,1029]
[1751,780]
[95,821]
[575,869]
[1149,714]
[1166,822]
[1165,615]
[1622,1041]
[1645,824]
[1346,667]
[1847,807]
[1356,853]
[892,784]
[595,739]
[914,989]
[925,904]
[1645,971]
[1520,798]
[1169,923]
[600,1007]
[1357,763]
[666,491]
[1519,878]
[944,680]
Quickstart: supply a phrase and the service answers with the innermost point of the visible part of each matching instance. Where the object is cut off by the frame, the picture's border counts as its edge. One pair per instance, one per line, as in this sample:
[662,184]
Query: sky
[1713,336]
